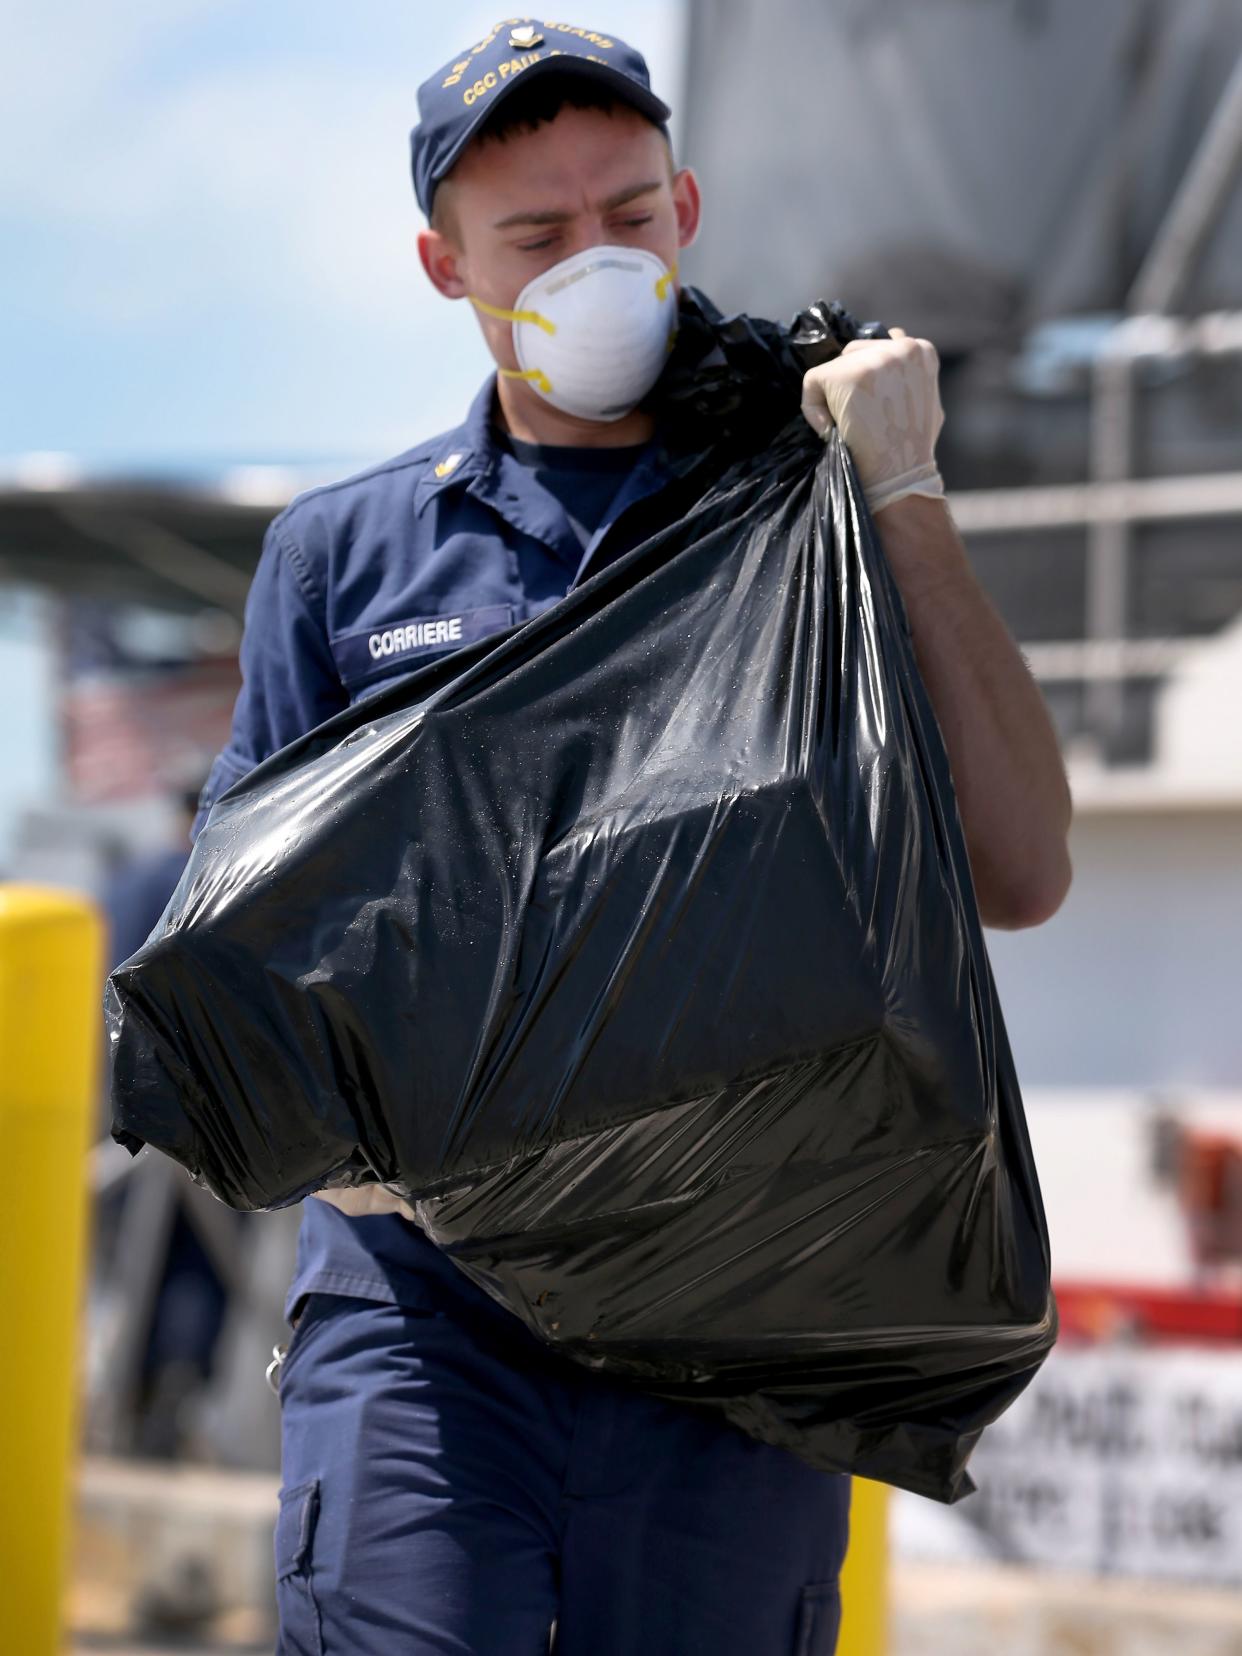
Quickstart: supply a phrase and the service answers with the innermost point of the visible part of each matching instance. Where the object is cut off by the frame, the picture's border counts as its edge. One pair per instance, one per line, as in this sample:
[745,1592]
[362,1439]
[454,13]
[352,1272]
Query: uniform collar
[471,450]
[464,454]
[470,459]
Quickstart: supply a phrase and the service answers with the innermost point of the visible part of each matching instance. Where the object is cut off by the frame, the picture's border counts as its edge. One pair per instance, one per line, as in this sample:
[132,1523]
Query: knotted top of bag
[734,378]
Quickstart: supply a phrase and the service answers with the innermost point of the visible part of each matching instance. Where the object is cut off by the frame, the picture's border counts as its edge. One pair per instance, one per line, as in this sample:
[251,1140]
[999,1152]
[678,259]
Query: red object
[1158,1316]
[1209,1189]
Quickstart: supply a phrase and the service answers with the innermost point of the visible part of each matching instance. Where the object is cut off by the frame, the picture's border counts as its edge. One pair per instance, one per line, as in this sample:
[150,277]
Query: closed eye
[634,223]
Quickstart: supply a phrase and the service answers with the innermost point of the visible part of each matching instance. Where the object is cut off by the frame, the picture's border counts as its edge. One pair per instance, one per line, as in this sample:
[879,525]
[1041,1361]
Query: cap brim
[565,63]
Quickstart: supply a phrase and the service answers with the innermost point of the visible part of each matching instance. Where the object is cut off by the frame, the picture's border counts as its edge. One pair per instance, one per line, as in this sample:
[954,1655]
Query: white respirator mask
[593,332]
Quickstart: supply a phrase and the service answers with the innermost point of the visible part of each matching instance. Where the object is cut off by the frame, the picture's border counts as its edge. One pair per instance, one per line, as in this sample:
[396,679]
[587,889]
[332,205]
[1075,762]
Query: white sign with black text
[1114,1460]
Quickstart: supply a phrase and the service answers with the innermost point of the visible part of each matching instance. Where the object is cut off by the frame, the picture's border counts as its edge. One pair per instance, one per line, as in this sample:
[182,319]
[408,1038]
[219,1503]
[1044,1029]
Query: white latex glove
[884,396]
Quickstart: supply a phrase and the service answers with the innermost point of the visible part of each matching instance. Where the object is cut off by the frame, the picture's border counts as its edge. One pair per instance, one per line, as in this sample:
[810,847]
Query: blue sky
[210,231]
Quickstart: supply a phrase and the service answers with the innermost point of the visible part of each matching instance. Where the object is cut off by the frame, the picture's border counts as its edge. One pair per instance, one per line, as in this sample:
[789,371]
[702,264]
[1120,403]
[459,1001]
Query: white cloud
[287,189]
[62,60]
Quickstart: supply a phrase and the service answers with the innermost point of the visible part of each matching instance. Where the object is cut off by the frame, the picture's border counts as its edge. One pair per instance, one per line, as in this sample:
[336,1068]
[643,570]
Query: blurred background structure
[1052,193]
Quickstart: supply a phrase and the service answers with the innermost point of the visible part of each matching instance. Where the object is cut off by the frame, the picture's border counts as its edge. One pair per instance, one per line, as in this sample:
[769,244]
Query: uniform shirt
[370,578]
[584,480]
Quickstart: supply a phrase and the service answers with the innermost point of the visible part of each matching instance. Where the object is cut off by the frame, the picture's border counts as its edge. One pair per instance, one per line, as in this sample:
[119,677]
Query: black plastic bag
[639,951]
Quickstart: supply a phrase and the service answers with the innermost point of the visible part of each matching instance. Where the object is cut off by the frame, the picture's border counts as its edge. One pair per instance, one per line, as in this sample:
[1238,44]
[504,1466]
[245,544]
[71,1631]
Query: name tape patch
[389,644]
[415,635]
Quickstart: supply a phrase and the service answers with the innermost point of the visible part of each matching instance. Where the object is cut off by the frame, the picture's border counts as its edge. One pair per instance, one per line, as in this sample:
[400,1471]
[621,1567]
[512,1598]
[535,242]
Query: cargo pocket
[819,1619]
[300,1631]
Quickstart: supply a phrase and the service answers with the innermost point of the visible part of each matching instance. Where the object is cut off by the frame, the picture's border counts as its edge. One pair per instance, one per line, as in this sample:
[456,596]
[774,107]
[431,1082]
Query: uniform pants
[450,1486]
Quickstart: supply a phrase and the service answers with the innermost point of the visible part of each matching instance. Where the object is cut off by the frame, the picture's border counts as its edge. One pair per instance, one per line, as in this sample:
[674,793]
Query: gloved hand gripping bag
[639,952]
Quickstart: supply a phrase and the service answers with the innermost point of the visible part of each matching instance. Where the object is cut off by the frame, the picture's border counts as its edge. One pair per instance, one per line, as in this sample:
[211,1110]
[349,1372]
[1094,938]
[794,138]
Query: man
[449,1484]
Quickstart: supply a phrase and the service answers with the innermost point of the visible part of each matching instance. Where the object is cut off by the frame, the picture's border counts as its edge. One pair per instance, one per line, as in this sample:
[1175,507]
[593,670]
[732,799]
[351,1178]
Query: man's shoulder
[377,484]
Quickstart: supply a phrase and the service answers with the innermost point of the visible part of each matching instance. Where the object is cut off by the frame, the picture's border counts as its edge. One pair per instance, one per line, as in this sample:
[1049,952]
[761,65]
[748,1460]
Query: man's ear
[687,205]
[441,259]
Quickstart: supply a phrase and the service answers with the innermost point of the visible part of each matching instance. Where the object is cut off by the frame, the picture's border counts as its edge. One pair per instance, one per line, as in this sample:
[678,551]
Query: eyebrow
[558,215]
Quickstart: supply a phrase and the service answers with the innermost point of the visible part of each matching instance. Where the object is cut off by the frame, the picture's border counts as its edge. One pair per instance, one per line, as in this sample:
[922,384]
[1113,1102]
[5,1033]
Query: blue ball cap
[455,102]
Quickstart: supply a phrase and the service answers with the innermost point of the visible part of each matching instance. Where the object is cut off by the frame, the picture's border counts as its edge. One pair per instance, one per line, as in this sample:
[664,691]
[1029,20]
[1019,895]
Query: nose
[588,231]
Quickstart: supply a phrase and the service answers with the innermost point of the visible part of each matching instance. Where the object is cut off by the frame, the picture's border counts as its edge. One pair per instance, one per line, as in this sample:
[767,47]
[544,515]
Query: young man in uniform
[450,1485]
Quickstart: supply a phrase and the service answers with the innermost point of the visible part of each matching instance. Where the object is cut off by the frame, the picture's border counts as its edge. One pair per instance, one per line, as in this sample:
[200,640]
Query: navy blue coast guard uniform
[449,1484]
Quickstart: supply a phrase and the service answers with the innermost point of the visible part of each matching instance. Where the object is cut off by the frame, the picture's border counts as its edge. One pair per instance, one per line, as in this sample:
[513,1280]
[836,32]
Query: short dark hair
[534,105]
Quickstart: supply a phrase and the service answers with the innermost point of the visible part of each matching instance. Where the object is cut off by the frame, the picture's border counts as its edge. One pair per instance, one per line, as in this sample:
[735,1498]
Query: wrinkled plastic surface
[639,951]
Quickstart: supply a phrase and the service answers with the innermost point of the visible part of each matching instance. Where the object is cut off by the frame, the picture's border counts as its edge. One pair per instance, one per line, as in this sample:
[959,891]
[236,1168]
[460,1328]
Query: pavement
[1003,1610]
[172,1559]
[185,1554]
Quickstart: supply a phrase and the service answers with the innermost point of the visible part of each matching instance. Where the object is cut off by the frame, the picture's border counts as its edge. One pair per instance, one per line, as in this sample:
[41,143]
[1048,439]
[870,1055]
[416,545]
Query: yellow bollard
[51,993]
[864,1580]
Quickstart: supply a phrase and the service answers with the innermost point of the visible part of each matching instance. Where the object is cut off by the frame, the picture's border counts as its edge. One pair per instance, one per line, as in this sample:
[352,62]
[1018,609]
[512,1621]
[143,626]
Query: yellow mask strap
[663,283]
[513,316]
[537,377]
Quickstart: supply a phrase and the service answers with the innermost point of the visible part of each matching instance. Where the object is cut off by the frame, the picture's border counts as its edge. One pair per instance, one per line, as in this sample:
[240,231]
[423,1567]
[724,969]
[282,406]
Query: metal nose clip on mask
[593,332]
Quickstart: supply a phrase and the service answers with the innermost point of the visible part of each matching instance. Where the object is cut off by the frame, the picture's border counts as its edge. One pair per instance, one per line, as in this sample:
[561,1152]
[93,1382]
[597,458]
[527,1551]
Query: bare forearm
[1010,782]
